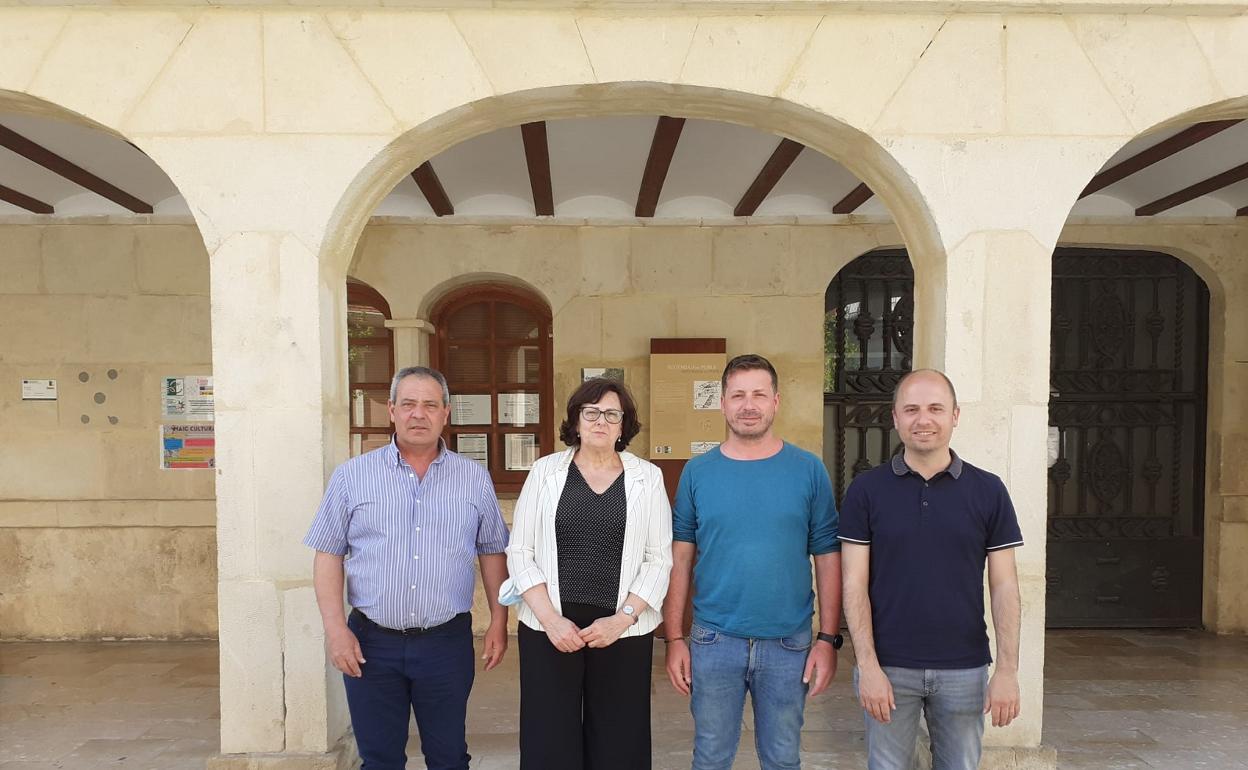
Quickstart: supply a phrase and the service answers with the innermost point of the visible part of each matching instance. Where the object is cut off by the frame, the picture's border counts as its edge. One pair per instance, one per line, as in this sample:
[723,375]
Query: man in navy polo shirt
[916,533]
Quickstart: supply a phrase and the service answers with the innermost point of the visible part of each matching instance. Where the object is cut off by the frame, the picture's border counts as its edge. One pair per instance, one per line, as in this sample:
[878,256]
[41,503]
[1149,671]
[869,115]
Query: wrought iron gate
[868,333]
[1126,492]
[1127,369]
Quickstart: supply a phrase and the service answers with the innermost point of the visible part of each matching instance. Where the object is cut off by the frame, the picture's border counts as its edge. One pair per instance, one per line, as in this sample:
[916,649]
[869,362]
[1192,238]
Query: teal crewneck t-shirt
[756,523]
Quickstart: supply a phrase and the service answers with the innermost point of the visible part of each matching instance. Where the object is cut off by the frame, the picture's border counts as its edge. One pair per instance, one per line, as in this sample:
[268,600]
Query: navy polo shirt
[929,544]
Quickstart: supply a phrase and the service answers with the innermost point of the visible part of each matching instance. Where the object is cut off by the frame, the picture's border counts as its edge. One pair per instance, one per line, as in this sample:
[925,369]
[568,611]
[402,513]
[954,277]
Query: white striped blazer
[646,564]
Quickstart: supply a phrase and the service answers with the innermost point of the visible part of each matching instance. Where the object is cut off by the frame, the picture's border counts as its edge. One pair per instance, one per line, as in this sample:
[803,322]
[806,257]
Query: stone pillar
[279,357]
[985,304]
[411,341]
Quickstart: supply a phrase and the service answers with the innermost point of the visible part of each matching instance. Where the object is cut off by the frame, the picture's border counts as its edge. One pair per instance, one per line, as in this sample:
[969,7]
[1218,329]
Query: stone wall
[98,542]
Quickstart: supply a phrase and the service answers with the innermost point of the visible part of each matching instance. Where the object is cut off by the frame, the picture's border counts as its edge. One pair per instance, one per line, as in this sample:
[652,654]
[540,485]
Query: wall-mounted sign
[472,409]
[38,390]
[684,404]
[607,373]
[187,398]
[187,447]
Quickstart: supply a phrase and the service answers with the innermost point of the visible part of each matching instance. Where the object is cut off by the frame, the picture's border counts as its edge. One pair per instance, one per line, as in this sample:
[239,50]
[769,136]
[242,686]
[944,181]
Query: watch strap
[835,640]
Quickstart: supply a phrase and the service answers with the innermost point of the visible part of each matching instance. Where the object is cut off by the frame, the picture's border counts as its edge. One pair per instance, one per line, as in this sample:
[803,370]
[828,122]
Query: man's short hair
[937,372]
[747,362]
[419,371]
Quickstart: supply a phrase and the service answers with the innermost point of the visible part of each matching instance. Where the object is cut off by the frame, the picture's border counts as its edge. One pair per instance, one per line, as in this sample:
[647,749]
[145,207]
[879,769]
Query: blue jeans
[725,668]
[429,676]
[951,700]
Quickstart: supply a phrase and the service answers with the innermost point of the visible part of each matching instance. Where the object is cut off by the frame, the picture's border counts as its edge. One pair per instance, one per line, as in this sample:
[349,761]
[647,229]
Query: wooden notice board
[684,402]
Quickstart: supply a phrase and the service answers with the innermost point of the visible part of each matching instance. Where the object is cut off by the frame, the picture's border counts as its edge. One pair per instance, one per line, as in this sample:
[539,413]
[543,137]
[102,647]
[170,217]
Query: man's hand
[679,666]
[344,650]
[875,693]
[604,631]
[495,644]
[563,633]
[1003,700]
[820,667]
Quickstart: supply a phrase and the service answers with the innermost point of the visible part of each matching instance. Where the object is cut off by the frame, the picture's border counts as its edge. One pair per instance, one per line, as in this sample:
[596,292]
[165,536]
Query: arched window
[370,363]
[493,344]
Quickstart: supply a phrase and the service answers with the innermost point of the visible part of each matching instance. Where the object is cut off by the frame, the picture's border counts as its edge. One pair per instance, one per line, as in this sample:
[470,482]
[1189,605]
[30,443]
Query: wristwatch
[630,611]
[835,641]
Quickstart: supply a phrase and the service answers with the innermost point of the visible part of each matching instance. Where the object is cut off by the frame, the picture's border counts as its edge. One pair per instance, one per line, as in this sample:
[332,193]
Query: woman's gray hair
[419,371]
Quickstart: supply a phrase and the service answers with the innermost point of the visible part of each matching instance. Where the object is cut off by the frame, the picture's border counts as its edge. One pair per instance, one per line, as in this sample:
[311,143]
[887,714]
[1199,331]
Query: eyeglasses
[592,413]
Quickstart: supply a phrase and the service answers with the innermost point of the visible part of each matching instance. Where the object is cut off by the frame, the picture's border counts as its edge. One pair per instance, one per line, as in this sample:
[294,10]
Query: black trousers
[584,710]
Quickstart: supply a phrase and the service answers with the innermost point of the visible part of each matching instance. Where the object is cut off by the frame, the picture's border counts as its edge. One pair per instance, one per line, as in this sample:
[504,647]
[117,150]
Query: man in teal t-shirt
[753,511]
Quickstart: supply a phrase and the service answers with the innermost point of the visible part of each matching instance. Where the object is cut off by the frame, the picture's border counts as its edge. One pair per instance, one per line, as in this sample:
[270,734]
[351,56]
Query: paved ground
[1136,699]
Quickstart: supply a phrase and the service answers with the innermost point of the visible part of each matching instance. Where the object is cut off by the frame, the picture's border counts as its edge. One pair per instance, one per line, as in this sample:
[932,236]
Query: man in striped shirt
[402,525]
[916,533]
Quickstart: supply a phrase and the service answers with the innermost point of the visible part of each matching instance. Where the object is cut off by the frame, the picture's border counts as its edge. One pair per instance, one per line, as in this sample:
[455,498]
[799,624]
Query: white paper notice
[475,447]
[521,451]
[1055,444]
[38,390]
[187,398]
[470,410]
[518,408]
[701,447]
[706,394]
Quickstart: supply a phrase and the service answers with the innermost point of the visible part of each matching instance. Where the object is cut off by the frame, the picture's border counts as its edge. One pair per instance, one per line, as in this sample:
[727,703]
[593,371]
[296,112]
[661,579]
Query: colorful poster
[187,398]
[187,447]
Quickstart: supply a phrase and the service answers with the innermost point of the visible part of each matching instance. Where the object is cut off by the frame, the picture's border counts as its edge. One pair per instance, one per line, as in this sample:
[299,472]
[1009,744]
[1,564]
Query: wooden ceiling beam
[69,170]
[1158,152]
[662,148]
[537,156]
[768,177]
[1212,184]
[24,201]
[431,187]
[850,203]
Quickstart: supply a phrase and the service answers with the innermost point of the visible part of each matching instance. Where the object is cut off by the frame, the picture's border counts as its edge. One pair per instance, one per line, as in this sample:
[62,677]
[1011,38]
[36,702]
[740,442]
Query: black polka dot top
[589,533]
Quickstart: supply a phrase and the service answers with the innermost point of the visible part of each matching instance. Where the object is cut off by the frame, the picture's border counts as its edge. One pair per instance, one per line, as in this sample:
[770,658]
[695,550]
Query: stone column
[279,357]
[985,305]
[411,341]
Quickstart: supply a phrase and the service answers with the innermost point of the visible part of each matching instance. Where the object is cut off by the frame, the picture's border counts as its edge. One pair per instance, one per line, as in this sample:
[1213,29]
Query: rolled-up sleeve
[329,527]
[521,561]
[656,564]
[492,530]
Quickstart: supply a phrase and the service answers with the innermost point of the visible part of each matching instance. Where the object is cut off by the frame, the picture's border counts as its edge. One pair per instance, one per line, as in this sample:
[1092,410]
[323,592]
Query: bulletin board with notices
[685,420]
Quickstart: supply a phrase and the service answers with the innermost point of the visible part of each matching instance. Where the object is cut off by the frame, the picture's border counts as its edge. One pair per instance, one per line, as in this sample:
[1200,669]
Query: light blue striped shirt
[410,543]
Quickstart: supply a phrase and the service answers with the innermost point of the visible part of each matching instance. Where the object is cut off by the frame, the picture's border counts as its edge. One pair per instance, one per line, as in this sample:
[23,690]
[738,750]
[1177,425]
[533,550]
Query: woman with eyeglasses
[590,555]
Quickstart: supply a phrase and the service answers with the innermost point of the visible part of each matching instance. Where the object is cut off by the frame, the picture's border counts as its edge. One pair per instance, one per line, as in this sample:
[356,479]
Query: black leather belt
[406,631]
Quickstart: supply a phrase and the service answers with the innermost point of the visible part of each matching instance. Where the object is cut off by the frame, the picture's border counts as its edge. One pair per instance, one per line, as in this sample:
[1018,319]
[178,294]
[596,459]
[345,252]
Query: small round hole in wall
[100,398]
[112,374]
[112,419]
[83,376]
[86,418]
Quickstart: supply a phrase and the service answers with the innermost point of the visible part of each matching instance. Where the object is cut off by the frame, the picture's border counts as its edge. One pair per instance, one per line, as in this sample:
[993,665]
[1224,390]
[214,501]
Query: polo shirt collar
[901,469]
[398,456]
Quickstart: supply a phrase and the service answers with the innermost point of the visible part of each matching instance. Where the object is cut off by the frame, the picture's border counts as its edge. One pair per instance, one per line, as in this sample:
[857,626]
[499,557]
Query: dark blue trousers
[428,675]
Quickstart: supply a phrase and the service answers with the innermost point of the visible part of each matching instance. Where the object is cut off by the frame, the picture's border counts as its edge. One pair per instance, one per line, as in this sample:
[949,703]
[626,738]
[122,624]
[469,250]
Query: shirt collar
[901,469]
[398,456]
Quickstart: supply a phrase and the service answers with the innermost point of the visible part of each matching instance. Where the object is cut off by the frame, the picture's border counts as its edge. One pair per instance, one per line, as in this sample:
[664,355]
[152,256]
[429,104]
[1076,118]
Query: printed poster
[518,409]
[521,451]
[187,447]
[187,398]
[474,446]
